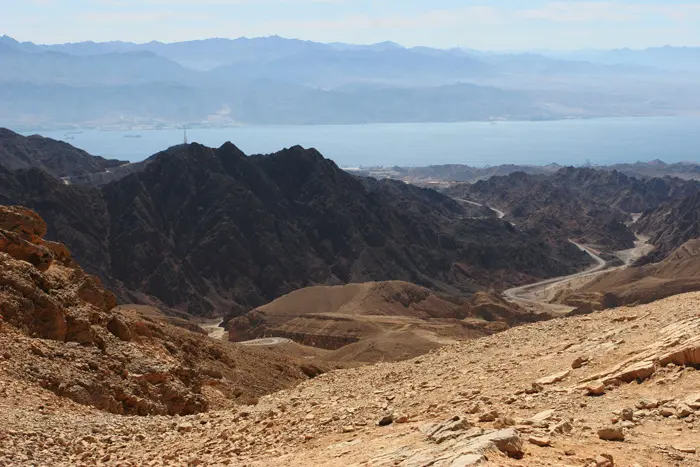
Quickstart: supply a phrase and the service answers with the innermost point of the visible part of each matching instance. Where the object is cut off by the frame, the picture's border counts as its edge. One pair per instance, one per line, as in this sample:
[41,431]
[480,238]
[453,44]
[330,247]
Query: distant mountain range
[274,80]
[436,175]
[587,205]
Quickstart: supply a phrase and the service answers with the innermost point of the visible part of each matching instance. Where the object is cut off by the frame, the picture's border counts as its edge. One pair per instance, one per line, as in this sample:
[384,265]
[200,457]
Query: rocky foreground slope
[60,331]
[612,388]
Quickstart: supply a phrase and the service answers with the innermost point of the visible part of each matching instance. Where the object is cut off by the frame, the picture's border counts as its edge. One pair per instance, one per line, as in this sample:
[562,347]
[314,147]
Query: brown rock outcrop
[61,331]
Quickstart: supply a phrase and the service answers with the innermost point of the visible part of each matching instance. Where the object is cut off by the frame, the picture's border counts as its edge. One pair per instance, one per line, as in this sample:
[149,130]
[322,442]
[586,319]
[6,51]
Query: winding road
[498,212]
[267,341]
[526,294]
[215,330]
[523,295]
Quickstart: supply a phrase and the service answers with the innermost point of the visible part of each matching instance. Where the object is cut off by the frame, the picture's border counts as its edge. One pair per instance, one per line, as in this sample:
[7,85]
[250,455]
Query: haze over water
[567,142]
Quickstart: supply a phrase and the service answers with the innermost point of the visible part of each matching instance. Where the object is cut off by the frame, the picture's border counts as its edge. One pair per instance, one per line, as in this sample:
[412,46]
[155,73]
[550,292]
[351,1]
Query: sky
[485,24]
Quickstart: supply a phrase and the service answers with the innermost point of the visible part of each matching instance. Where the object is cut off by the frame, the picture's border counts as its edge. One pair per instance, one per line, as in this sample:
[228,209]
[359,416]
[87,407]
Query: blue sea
[570,142]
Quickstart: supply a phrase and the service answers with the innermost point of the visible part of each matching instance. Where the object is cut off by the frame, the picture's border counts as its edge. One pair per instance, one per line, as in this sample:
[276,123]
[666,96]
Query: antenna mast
[185,140]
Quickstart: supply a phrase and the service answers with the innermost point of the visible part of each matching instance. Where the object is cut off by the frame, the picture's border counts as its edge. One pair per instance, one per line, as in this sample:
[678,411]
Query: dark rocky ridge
[670,226]
[588,205]
[55,157]
[210,231]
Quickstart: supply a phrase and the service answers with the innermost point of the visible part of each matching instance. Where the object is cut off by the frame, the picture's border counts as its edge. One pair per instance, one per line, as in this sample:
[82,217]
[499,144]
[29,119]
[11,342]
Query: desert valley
[208,307]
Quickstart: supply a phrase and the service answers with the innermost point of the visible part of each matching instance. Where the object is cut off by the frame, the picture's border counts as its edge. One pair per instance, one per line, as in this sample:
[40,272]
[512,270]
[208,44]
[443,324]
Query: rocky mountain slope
[588,205]
[360,319]
[612,388]
[60,331]
[670,226]
[213,231]
[55,157]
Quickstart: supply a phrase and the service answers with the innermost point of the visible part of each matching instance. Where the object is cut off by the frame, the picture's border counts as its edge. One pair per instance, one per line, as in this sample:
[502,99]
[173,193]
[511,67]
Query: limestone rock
[489,416]
[185,427]
[540,441]
[683,410]
[562,428]
[507,441]
[450,429]
[596,388]
[611,434]
[552,379]
[635,372]
[693,401]
[542,416]
[627,414]
[604,460]
[648,404]
[466,460]
[579,362]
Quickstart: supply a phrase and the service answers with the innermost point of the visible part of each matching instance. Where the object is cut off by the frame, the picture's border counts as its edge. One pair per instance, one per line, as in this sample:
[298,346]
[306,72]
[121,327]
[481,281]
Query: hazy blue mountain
[278,80]
[668,58]
[264,102]
[130,68]
[330,68]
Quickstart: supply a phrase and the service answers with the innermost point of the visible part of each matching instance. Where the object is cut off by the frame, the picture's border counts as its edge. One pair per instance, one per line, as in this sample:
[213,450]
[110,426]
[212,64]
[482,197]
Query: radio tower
[185,140]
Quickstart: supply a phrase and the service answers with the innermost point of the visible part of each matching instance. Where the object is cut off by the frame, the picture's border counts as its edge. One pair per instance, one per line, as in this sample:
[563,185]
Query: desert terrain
[313,317]
[612,388]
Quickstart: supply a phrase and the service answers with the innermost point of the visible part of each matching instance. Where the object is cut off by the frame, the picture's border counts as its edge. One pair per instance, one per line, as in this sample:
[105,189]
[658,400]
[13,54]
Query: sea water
[568,142]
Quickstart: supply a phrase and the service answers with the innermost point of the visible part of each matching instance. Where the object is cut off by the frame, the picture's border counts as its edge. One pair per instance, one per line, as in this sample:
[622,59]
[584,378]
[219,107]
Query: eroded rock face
[45,293]
[60,330]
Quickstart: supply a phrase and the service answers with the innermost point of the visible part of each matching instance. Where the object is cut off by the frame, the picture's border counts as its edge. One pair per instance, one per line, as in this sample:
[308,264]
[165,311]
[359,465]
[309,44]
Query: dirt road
[533,295]
[214,328]
[498,212]
[267,341]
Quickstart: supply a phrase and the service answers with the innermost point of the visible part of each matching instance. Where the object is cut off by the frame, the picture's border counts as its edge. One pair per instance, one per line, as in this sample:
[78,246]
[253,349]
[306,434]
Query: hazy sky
[494,24]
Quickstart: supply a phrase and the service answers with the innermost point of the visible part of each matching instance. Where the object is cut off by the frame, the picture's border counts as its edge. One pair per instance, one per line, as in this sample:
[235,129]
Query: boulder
[507,441]
[693,401]
[451,429]
[119,327]
[540,441]
[635,372]
[579,362]
[596,388]
[613,433]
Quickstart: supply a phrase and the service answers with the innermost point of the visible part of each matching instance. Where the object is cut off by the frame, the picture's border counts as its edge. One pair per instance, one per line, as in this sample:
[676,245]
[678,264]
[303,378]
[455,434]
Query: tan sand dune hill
[378,321]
